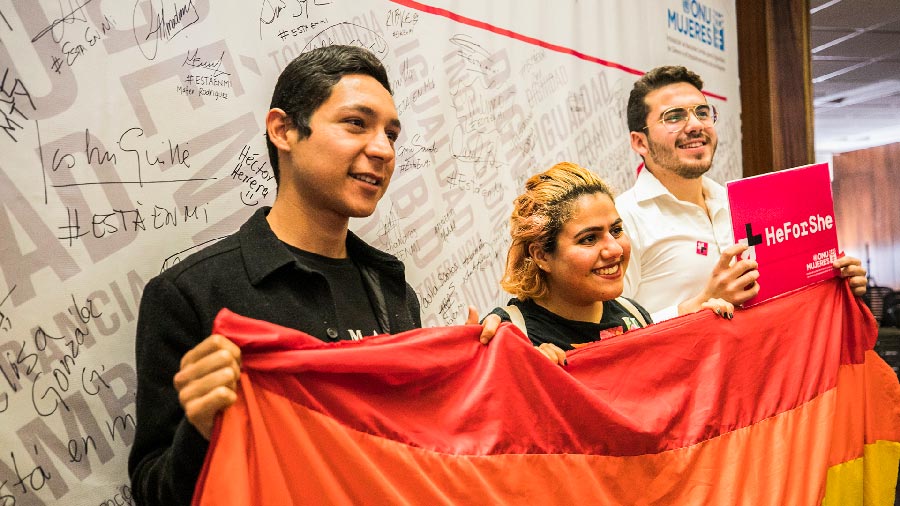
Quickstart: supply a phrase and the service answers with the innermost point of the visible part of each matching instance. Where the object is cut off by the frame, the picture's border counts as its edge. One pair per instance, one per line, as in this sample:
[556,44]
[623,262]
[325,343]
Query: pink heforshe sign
[787,219]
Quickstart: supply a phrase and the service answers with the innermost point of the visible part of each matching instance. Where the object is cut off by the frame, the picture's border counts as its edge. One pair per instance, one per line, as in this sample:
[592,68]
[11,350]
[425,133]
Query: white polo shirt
[674,244]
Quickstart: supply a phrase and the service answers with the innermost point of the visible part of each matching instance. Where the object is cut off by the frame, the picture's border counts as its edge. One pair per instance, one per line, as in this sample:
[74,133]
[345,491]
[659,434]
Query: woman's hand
[721,307]
[553,352]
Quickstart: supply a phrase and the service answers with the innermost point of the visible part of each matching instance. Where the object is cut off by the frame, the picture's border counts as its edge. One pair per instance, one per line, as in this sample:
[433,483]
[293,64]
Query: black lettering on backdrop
[136,84]
[34,479]
[122,497]
[71,194]
[20,481]
[82,36]
[11,104]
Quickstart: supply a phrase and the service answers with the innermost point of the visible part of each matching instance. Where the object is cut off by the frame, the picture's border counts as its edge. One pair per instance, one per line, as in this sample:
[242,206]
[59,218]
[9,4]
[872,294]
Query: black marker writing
[69,18]
[403,21]
[35,483]
[252,172]
[79,449]
[136,152]
[53,386]
[162,26]
[192,60]
[5,322]
[71,50]
[269,12]
[91,387]
[168,27]
[73,228]
[10,29]
[138,219]
[10,89]
[20,364]
[300,29]
[121,498]
[121,423]
[349,34]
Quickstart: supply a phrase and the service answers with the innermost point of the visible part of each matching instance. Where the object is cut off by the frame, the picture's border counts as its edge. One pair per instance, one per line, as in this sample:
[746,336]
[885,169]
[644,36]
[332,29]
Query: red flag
[784,405]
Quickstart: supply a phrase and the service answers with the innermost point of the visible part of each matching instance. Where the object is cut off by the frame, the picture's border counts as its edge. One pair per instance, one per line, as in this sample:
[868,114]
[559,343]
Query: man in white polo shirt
[683,250]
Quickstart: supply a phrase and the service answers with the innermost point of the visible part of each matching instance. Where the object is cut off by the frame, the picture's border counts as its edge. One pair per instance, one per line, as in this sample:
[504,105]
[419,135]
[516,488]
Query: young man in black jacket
[330,131]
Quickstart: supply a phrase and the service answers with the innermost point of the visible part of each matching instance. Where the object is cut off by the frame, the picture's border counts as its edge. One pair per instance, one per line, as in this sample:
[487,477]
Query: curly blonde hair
[538,217]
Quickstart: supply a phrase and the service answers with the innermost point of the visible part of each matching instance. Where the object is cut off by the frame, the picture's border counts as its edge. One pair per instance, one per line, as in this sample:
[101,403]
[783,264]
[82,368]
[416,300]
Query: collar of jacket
[263,253]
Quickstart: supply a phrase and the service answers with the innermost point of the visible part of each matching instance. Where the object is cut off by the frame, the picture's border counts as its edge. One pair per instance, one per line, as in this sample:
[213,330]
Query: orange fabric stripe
[861,390]
[665,387]
[763,412]
[780,460]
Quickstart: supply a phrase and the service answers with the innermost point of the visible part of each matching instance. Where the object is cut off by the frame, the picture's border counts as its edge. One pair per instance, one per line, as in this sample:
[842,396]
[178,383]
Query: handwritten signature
[192,60]
[163,25]
[251,170]
[349,34]
[132,141]
[477,58]
[271,11]
[75,15]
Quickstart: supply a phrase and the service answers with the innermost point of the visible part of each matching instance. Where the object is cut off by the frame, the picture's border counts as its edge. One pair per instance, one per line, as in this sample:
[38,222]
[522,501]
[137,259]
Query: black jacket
[253,274]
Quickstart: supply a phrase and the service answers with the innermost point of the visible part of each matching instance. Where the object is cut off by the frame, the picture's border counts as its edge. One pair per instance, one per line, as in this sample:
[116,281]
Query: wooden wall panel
[867,204]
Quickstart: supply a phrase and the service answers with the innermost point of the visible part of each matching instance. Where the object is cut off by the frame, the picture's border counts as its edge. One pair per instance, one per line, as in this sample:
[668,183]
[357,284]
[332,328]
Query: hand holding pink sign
[786,219]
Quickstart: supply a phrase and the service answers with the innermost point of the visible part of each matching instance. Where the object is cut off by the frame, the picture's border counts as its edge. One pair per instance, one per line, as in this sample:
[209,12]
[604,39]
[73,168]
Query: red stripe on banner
[271,449]
[459,18]
[665,387]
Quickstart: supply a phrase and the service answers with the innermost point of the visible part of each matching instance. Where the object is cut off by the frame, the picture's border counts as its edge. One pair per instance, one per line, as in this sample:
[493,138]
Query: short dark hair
[306,83]
[651,81]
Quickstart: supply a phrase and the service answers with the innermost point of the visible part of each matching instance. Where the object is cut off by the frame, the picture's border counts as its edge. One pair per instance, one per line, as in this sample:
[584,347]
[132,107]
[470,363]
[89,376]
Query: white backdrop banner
[132,136]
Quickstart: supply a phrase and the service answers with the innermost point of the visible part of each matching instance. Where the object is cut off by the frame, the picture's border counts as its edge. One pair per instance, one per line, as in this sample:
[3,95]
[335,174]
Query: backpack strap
[631,308]
[515,315]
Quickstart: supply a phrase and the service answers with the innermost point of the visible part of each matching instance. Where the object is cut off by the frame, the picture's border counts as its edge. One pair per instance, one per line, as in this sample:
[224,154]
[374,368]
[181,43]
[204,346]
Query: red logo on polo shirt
[702,248]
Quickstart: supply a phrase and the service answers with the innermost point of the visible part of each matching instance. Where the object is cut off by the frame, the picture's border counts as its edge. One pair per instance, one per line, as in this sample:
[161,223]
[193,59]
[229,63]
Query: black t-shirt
[545,326]
[356,317]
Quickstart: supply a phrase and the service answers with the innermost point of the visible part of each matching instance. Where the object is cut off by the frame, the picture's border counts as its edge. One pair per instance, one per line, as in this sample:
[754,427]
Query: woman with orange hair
[567,261]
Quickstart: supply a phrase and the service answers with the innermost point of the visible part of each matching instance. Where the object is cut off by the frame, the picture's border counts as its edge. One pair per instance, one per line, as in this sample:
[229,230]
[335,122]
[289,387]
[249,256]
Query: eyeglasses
[676,118]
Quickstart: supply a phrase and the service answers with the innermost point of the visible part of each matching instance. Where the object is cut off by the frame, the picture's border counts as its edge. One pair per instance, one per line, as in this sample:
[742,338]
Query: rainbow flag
[787,404]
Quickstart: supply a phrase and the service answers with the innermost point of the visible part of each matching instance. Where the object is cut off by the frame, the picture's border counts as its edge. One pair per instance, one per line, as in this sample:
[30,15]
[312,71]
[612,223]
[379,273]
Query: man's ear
[640,144]
[539,256]
[277,127]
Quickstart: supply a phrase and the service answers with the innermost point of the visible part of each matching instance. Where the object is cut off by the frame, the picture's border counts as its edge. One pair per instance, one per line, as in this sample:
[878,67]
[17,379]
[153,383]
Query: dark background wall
[866,189]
